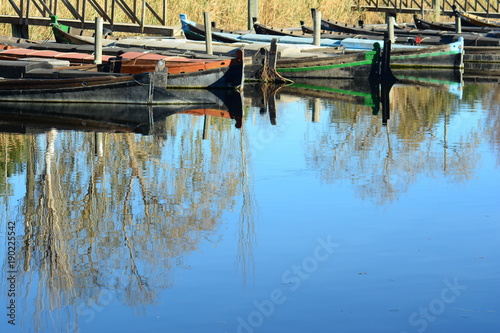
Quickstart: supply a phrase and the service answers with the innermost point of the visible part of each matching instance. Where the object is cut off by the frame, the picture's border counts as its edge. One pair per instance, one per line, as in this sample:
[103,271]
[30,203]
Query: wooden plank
[100,11]
[17,9]
[159,30]
[72,10]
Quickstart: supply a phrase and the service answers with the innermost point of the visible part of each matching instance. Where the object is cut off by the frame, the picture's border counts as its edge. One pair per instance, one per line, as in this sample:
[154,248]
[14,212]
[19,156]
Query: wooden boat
[85,87]
[263,29]
[196,31]
[302,41]
[70,35]
[435,56]
[477,21]
[427,36]
[346,66]
[423,24]
[194,48]
[182,72]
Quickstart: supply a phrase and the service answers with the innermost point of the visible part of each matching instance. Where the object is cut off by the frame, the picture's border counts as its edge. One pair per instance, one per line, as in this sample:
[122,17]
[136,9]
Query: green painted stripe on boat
[319,68]
[369,56]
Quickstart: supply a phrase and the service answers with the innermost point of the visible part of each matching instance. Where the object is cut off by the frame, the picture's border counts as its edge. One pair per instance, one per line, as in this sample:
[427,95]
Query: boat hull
[358,65]
[142,89]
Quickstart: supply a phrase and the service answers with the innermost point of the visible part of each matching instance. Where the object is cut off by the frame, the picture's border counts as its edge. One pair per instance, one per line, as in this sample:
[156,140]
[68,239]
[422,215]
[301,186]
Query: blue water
[342,224]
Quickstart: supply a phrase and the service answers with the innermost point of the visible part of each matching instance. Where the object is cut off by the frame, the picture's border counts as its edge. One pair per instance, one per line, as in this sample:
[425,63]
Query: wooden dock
[435,8]
[131,15]
[118,15]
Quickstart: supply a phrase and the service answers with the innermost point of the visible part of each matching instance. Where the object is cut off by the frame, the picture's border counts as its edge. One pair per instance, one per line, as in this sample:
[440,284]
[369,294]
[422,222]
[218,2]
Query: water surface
[315,212]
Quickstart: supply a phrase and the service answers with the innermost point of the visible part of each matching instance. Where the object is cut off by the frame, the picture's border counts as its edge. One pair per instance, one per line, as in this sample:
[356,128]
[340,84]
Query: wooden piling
[317,28]
[98,40]
[458,24]
[391,20]
[208,33]
[253,12]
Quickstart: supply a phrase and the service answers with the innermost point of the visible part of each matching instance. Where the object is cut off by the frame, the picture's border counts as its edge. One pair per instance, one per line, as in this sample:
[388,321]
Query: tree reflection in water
[107,216]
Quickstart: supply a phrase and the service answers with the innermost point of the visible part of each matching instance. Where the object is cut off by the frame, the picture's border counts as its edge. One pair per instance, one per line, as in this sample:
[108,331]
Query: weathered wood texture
[490,8]
[118,15]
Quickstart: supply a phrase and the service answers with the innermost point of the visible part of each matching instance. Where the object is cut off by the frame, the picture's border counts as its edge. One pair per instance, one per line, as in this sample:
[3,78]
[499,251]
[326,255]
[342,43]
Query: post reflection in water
[108,216]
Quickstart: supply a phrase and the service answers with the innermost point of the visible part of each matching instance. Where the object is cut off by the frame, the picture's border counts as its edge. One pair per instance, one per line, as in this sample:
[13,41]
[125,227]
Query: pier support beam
[20,30]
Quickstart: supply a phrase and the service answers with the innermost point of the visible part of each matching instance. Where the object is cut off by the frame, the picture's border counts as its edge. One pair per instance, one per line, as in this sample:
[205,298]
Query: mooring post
[436,4]
[390,25]
[317,28]
[273,54]
[208,33]
[98,41]
[253,12]
[458,24]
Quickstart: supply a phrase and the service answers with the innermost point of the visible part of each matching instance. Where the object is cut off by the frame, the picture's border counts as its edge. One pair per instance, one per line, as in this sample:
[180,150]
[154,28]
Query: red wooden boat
[183,72]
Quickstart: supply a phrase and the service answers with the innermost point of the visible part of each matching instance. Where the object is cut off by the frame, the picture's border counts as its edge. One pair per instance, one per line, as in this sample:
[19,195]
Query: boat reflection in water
[122,117]
[375,95]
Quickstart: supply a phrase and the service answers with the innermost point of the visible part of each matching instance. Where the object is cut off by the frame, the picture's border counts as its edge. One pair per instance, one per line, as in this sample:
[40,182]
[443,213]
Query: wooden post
[253,12]
[317,28]
[98,41]
[458,24]
[390,27]
[437,9]
[112,13]
[143,14]
[84,12]
[164,12]
[208,33]
[273,54]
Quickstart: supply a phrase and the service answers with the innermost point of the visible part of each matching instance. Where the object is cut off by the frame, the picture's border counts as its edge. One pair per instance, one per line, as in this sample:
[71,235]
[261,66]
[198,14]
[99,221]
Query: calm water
[314,216]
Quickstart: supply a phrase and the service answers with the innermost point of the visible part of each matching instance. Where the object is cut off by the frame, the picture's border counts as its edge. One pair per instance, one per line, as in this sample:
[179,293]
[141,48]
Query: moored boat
[483,38]
[38,82]
[183,72]
[424,24]
[477,21]
[128,89]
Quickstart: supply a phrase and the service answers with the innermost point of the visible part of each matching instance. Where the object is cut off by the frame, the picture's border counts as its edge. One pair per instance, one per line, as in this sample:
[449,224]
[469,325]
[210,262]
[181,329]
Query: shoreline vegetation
[227,15]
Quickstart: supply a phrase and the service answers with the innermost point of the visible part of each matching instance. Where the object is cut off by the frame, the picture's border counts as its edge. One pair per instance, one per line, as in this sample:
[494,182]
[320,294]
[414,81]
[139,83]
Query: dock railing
[487,8]
[118,15]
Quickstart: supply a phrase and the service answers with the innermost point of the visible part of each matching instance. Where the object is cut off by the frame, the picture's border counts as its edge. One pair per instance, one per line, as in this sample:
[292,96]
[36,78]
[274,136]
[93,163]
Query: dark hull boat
[86,87]
[478,21]
[426,36]
[21,117]
[423,24]
[196,31]
[182,72]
